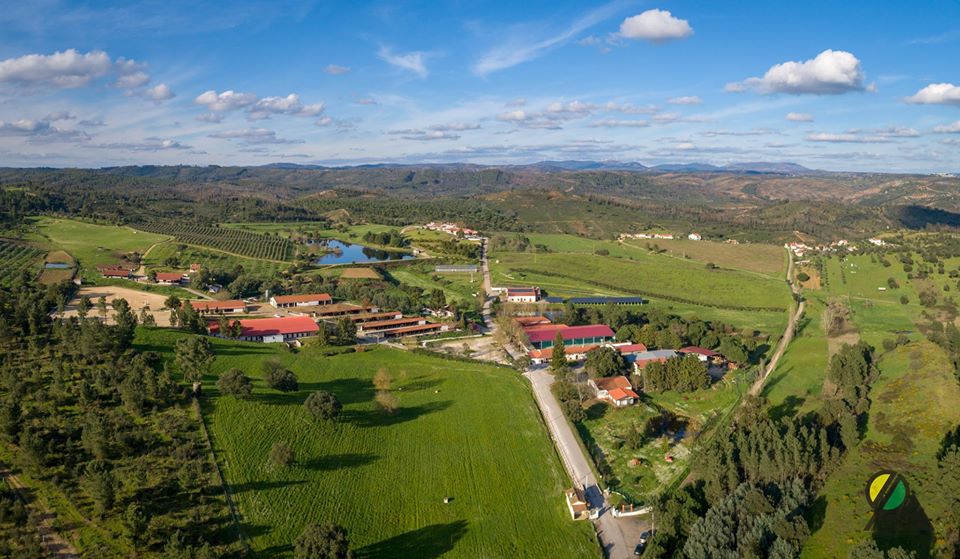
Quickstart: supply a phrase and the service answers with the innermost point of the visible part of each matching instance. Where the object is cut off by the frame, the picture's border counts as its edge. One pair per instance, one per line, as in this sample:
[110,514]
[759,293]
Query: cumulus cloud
[62,69]
[336,69]
[658,26]
[953,128]
[323,121]
[254,136]
[936,94]
[40,131]
[59,115]
[158,93]
[289,105]
[799,117]
[831,72]
[412,61]
[685,100]
[227,101]
[130,81]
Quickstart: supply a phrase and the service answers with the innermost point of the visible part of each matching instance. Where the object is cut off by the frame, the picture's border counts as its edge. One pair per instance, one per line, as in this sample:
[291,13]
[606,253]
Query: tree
[126,322]
[102,306]
[281,455]
[84,307]
[235,383]
[282,379]
[604,362]
[101,486]
[172,302]
[323,541]
[346,331]
[382,380]
[387,402]
[194,357]
[558,364]
[323,406]
[573,410]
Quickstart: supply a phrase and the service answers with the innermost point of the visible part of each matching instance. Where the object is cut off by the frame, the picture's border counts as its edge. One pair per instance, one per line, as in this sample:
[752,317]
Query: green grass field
[574,268]
[455,286]
[466,431]
[94,245]
[797,382]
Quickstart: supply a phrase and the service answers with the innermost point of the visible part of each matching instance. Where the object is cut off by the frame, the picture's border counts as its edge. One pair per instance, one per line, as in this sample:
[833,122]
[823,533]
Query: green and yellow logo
[886,492]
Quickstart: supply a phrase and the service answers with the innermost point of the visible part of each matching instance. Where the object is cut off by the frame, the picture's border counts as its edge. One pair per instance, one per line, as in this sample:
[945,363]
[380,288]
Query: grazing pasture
[467,431]
[94,245]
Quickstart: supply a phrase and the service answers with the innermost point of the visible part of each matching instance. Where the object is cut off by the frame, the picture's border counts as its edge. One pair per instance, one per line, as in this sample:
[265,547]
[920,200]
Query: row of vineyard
[235,241]
[14,258]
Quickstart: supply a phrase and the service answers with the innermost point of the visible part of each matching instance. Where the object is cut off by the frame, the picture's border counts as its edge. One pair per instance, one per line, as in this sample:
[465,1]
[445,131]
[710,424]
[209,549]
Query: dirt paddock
[136,299]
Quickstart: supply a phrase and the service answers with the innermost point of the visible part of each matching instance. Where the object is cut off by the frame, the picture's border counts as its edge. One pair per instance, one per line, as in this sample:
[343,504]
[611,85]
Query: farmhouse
[455,269]
[306,300]
[616,390]
[115,272]
[542,337]
[641,360]
[169,278]
[221,307]
[273,330]
[572,353]
[523,294]
[694,237]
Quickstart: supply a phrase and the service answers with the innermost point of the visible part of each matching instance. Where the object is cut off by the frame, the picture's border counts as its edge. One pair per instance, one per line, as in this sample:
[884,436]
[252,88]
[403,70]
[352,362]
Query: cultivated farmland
[466,431]
[15,258]
[231,240]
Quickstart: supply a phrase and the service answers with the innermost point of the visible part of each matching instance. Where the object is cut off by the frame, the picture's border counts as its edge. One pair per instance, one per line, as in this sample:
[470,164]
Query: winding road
[788,333]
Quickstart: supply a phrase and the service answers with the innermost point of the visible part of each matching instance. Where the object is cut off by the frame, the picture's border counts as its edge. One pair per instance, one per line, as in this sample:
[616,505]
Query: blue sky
[831,85]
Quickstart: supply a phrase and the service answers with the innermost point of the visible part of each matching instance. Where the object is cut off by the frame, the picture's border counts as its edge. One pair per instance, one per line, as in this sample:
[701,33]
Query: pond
[347,253]
[57,266]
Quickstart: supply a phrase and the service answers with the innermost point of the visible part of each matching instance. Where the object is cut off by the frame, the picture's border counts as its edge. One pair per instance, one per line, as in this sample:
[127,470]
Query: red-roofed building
[169,278]
[703,354]
[115,272]
[307,300]
[214,307]
[616,390]
[542,338]
[273,330]
[573,353]
[530,321]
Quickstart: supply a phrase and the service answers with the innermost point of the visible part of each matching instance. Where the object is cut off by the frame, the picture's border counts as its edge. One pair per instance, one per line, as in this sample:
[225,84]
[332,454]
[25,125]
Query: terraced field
[466,431]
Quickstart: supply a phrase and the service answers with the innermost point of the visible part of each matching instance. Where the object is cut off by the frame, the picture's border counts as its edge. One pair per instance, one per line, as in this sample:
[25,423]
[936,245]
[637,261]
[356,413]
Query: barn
[273,330]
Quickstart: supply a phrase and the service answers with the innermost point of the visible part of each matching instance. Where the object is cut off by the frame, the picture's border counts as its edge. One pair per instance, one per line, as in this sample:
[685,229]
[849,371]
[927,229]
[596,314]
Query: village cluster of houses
[160,278]
[694,236]
[454,229]
[801,249]
[579,341]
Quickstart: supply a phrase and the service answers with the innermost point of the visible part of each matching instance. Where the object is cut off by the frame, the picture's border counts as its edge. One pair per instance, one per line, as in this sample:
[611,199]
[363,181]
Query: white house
[694,237]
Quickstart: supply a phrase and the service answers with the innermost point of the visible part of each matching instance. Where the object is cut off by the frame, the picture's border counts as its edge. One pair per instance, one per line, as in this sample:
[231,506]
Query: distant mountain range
[780,168]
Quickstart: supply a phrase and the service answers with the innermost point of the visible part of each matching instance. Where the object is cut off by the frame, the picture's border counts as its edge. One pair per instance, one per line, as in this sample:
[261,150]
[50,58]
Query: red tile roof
[203,305]
[618,394]
[527,321]
[570,332]
[631,348]
[612,383]
[286,299]
[255,327]
[169,276]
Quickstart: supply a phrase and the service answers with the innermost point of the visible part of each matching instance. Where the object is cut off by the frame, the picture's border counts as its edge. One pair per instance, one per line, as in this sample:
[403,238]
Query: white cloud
[685,100]
[227,101]
[573,108]
[655,25]
[628,108]
[212,118]
[159,92]
[953,128]
[323,121]
[40,131]
[148,144]
[289,105]
[135,79]
[847,137]
[429,135]
[616,123]
[456,126]
[62,69]
[336,69]
[254,136]
[521,45]
[936,94]
[59,115]
[831,72]
[412,61]
[799,117]
[513,116]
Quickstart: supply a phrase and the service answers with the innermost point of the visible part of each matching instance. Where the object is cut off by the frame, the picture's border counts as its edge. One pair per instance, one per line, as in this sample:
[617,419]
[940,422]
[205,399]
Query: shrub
[281,455]
[904,299]
[282,380]
[235,383]
[323,406]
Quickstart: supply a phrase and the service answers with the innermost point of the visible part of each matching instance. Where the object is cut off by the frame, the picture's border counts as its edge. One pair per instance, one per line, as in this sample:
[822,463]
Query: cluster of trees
[106,426]
[19,533]
[680,374]
[237,281]
[392,238]
[604,362]
[759,477]
[516,242]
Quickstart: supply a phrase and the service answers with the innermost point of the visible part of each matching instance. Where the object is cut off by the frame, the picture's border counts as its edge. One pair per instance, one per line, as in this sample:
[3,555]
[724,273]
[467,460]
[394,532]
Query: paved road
[615,543]
[787,334]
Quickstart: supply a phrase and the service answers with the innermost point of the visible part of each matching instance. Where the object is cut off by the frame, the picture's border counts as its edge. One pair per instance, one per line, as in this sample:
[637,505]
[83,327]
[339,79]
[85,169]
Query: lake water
[347,253]
[57,266]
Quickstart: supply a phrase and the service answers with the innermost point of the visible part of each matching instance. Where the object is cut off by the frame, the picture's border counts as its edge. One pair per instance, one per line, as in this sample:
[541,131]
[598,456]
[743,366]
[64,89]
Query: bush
[282,380]
[281,455]
[323,406]
[904,299]
[574,411]
[235,383]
